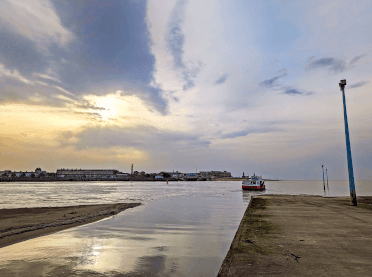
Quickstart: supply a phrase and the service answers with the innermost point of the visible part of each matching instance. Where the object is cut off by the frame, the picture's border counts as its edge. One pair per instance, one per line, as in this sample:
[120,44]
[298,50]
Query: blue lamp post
[353,199]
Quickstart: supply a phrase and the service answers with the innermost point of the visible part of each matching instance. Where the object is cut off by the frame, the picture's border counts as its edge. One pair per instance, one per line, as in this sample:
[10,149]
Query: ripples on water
[20,195]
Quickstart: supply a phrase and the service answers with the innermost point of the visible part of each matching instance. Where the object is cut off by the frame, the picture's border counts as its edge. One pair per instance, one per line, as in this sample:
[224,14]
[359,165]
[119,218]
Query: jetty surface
[285,235]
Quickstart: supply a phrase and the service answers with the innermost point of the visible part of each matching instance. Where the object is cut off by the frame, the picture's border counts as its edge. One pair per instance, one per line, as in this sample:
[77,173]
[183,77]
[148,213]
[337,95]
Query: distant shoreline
[124,180]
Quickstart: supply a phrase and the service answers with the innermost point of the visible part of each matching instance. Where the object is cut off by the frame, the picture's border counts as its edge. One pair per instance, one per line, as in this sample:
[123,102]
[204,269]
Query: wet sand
[17,225]
[285,235]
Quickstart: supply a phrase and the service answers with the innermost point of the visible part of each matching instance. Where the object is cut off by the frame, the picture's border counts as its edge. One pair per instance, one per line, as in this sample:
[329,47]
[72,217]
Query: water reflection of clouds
[176,236]
[154,266]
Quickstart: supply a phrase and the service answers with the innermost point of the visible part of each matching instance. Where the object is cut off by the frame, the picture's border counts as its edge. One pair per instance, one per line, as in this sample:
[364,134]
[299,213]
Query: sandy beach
[17,225]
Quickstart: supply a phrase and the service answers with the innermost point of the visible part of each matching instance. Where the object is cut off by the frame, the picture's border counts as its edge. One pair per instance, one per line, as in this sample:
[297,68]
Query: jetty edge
[21,224]
[297,235]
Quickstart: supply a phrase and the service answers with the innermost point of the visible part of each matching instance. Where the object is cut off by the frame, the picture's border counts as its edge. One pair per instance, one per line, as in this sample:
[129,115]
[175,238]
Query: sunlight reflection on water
[173,236]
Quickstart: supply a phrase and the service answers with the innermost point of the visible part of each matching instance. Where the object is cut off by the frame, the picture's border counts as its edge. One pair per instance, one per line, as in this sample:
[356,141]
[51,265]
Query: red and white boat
[255,183]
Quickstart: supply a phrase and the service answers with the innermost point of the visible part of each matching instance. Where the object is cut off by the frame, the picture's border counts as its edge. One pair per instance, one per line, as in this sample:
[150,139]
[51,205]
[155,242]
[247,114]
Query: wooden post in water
[353,199]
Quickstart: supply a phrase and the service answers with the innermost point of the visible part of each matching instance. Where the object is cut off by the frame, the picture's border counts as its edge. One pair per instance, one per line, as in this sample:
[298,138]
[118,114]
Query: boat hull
[253,187]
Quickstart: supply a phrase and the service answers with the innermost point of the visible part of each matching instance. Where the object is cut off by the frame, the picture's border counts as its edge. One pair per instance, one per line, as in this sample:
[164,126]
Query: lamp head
[342,84]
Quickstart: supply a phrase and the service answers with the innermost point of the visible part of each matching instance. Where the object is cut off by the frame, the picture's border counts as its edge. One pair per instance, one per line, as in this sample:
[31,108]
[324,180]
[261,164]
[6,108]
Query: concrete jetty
[285,235]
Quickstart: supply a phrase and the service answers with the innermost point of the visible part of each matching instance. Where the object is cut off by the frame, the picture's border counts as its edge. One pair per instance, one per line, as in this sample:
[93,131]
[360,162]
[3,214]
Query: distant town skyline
[131,171]
[65,174]
[244,86]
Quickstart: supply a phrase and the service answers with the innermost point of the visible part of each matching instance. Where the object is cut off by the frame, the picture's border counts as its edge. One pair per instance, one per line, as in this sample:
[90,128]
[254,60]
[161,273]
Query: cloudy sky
[243,86]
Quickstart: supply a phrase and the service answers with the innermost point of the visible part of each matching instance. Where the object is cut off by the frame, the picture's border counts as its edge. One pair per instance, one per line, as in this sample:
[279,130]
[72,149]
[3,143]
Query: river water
[182,228]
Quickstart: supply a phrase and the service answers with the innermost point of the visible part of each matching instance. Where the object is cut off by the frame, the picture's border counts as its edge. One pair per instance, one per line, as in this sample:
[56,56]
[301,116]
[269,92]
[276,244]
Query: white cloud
[45,76]
[4,72]
[158,15]
[63,90]
[35,20]
[214,45]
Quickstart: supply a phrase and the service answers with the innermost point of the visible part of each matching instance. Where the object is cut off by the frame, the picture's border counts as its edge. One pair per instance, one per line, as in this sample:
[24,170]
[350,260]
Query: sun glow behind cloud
[124,110]
[47,135]
[106,105]
[32,129]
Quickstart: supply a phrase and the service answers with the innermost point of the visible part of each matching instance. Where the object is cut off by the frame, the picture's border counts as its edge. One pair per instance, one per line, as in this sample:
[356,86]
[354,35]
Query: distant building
[190,174]
[5,173]
[18,174]
[217,174]
[122,175]
[172,174]
[39,172]
[137,173]
[79,174]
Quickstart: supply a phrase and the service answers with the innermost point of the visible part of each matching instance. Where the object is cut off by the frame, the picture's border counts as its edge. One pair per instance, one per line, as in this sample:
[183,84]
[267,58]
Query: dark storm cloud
[294,91]
[242,133]
[175,38]
[246,132]
[357,85]
[112,38]
[222,79]
[357,58]
[170,94]
[113,47]
[142,137]
[19,53]
[289,90]
[175,41]
[110,48]
[333,64]
[153,95]
[271,82]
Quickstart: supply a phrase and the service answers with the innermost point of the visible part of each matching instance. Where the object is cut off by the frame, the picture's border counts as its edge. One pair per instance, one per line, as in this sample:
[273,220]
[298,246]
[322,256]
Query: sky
[242,86]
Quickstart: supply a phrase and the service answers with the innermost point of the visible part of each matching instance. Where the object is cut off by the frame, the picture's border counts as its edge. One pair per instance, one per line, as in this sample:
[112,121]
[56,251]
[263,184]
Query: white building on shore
[81,174]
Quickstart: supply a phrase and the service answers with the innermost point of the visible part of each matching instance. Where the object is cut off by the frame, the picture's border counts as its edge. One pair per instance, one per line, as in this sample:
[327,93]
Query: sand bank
[17,225]
[286,235]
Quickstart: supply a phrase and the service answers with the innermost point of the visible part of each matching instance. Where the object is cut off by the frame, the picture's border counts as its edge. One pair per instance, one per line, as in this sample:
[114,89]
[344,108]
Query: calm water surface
[183,228]
[20,195]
